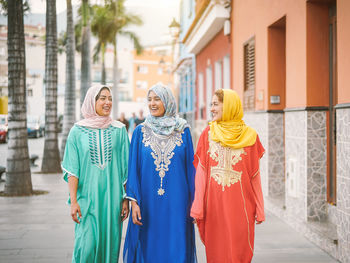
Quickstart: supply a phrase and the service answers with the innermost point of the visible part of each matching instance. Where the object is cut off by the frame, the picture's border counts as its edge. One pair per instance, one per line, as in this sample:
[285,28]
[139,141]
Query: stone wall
[294,171]
[343,183]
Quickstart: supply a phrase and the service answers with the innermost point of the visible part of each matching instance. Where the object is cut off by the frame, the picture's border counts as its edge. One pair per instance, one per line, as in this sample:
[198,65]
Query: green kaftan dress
[99,159]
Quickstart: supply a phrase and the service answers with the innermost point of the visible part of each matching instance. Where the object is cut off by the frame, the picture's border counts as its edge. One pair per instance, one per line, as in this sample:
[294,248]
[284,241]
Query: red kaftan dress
[228,199]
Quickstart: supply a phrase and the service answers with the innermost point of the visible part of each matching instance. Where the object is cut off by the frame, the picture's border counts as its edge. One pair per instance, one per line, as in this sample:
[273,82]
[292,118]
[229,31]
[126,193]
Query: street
[39,228]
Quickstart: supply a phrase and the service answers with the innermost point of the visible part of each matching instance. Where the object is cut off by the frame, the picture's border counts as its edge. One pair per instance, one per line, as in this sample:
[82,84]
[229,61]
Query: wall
[217,49]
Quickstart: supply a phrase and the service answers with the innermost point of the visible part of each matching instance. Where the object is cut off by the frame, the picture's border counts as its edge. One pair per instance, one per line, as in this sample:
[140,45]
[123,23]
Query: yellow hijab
[231,130]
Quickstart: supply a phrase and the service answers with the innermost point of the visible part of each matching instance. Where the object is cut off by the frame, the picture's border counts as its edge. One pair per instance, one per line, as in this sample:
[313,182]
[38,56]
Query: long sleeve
[70,164]
[197,210]
[133,184]
[125,145]
[190,170]
[257,151]
[258,195]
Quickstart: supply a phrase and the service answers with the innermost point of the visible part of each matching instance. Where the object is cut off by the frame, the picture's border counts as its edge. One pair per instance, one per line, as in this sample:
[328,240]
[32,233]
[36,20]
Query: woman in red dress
[228,196]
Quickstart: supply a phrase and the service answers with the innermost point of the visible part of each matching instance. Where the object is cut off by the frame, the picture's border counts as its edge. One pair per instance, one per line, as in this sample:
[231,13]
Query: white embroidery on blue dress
[162,150]
[100,145]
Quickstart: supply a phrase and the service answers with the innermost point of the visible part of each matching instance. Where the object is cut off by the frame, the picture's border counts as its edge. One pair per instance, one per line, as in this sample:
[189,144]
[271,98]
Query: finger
[138,213]
[125,216]
[75,218]
[79,212]
[135,219]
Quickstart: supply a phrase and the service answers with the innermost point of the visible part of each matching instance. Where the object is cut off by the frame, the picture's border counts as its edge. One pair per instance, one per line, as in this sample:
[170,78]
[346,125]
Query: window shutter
[249,76]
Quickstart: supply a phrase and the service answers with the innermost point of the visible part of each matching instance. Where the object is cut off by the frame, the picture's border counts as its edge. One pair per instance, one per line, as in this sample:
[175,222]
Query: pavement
[39,228]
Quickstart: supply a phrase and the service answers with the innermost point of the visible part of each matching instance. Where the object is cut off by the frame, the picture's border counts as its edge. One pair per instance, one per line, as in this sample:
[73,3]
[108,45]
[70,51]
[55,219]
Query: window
[201,100]
[227,71]
[160,71]
[209,84]
[142,69]
[30,93]
[218,75]
[249,76]
[140,84]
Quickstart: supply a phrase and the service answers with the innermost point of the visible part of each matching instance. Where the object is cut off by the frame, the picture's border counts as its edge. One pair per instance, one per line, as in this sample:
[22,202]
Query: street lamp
[174,29]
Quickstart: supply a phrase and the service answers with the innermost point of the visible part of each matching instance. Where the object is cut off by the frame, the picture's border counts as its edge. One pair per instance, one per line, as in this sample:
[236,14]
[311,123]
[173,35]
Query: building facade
[35,66]
[151,67]
[208,38]
[185,65]
[290,66]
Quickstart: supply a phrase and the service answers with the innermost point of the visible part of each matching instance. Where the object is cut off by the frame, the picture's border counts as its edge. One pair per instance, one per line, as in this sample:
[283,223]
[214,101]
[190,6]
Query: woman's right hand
[136,213]
[74,210]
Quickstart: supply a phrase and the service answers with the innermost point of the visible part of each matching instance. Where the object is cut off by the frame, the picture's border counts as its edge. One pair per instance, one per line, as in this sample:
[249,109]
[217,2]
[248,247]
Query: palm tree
[121,20]
[85,80]
[18,177]
[102,27]
[108,22]
[69,95]
[51,156]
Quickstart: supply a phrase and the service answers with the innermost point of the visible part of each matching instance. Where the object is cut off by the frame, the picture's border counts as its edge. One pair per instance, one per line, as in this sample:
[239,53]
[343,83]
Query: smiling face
[155,105]
[103,104]
[216,108]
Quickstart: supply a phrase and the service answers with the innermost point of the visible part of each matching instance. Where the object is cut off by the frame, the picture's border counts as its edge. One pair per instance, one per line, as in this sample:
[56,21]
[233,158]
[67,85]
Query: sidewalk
[39,229]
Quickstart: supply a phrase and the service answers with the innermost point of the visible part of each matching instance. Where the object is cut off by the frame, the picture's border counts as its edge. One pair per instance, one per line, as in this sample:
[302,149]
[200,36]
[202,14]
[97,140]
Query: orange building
[290,65]
[152,66]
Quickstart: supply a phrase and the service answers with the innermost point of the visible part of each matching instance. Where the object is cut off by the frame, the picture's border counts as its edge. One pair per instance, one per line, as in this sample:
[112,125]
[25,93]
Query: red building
[209,39]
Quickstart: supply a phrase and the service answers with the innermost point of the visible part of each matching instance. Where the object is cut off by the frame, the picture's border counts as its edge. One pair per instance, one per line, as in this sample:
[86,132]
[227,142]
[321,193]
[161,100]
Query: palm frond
[135,39]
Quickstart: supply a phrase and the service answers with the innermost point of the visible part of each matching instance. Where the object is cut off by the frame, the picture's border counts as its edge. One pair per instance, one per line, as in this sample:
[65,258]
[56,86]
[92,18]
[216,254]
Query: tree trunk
[103,73]
[51,156]
[18,176]
[85,80]
[69,95]
[115,82]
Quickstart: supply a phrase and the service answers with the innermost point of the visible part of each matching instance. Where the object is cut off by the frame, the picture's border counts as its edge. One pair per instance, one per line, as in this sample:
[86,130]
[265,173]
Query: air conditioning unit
[293,176]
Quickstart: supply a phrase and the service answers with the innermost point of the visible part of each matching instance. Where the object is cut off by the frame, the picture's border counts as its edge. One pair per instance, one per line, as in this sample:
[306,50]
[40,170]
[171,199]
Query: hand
[125,209]
[258,222]
[74,210]
[194,221]
[136,213]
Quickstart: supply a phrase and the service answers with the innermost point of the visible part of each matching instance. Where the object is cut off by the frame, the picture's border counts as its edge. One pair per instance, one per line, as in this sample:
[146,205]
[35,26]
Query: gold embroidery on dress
[227,157]
[162,150]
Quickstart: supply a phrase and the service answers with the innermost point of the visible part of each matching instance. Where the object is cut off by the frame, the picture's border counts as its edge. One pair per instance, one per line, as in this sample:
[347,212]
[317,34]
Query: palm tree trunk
[103,51]
[51,156]
[69,95]
[18,176]
[115,89]
[85,81]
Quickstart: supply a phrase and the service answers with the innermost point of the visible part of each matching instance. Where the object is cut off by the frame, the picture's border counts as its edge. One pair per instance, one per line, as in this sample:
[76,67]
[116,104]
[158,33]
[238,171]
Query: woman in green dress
[95,167]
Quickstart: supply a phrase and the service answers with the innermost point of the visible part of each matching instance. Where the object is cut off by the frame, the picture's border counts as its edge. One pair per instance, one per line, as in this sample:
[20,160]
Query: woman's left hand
[258,222]
[125,209]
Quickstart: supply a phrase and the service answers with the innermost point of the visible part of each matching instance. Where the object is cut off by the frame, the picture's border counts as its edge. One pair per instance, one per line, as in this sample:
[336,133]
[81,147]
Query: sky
[39,6]
[156,15]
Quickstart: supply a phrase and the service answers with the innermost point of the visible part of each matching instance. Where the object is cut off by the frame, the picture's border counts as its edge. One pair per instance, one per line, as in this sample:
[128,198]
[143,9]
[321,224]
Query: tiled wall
[316,166]
[300,137]
[343,183]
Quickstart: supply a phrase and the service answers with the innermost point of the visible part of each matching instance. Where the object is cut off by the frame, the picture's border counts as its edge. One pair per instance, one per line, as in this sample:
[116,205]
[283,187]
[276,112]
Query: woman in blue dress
[160,186]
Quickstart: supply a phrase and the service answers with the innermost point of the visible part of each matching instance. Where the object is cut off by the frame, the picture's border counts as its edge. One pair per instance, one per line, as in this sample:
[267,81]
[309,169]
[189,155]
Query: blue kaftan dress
[161,180]
[99,159]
